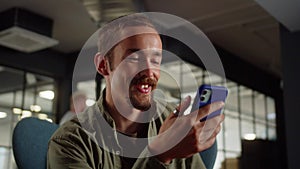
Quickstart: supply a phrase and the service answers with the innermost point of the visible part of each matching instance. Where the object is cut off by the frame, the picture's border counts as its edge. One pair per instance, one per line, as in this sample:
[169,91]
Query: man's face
[136,69]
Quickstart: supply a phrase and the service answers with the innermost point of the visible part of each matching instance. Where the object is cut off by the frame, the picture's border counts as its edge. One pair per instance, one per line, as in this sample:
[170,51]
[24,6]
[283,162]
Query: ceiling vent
[25,31]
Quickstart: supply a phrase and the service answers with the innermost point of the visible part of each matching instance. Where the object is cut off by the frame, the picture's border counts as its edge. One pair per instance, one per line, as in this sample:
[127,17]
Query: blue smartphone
[207,94]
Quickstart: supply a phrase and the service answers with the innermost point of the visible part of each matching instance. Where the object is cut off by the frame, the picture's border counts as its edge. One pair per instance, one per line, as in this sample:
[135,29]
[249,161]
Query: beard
[140,100]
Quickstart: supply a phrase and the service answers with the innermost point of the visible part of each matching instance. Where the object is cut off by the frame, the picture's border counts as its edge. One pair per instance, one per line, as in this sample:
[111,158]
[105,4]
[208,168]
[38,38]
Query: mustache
[144,79]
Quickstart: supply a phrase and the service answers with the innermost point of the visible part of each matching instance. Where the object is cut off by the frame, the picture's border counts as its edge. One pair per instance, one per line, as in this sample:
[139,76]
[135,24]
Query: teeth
[145,86]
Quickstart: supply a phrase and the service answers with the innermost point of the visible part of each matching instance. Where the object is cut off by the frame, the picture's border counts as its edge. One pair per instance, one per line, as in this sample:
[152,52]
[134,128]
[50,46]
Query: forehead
[136,30]
[139,37]
[142,41]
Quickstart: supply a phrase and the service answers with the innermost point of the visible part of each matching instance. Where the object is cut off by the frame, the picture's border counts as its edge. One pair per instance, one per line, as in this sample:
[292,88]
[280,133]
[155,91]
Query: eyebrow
[156,52]
[132,50]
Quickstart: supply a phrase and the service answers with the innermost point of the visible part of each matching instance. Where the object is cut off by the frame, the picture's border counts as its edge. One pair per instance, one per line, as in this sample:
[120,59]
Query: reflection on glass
[249,136]
[19,99]
[47,94]
[261,131]
[4,157]
[232,139]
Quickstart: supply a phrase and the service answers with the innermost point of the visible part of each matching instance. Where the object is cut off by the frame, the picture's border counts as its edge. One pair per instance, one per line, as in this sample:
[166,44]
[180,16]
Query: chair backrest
[30,142]
[209,156]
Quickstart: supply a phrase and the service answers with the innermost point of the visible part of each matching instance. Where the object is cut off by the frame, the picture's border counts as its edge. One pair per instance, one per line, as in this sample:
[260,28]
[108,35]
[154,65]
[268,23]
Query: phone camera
[202,98]
[204,92]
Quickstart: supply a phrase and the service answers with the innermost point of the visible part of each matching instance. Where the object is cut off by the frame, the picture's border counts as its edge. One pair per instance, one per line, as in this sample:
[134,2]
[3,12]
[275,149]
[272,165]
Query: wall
[291,60]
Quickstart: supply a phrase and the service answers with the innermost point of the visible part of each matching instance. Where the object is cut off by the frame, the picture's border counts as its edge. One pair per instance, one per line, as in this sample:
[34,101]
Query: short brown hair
[110,33]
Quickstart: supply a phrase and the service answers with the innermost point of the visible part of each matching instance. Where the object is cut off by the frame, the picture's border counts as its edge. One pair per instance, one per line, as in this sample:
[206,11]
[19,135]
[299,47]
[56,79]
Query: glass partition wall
[22,94]
[249,114]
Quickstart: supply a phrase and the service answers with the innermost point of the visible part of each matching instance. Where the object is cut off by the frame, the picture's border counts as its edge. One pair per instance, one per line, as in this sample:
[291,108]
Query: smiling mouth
[144,85]
[144,88]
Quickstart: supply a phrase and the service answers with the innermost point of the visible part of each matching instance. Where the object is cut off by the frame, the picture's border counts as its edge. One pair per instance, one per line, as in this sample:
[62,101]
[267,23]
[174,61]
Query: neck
[125,123]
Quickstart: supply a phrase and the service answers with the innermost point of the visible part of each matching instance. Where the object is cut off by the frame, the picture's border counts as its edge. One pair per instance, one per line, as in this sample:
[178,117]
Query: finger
[215,133]
[209,133]
[206,110]
[214,120]
[208,129]
[210,123]
[207,144]
[213,123]
[182,106]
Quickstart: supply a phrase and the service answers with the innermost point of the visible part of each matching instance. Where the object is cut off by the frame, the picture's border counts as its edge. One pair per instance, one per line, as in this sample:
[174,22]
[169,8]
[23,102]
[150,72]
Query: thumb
[182,106]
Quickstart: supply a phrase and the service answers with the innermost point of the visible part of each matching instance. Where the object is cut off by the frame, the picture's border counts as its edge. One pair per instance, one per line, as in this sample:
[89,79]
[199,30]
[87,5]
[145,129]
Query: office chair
[30,142]
[209,156]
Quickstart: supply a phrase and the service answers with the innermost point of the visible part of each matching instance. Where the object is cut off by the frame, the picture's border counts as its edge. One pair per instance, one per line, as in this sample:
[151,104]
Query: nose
[147,69]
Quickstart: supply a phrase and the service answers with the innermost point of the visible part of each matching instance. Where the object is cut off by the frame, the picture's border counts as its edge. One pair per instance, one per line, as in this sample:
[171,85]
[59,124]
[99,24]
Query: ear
[100,64]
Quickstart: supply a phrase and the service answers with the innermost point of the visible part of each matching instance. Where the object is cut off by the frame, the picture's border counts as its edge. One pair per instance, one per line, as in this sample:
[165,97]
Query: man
[129,127]
[77,105]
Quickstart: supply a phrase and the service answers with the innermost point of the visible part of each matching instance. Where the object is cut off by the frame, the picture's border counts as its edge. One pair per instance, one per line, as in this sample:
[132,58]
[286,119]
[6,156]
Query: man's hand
[181,136]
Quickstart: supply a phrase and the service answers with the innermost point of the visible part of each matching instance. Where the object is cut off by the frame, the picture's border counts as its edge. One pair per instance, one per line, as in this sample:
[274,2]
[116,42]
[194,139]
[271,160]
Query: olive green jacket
[92,142]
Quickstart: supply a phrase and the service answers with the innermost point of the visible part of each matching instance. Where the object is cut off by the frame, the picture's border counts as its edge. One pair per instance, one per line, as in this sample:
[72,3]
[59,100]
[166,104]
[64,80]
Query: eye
[156,58]
[133,58]
[155,61]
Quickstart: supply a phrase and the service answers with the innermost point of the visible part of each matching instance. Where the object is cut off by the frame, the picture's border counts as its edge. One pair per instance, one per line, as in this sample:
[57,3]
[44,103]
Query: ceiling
[241,27]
